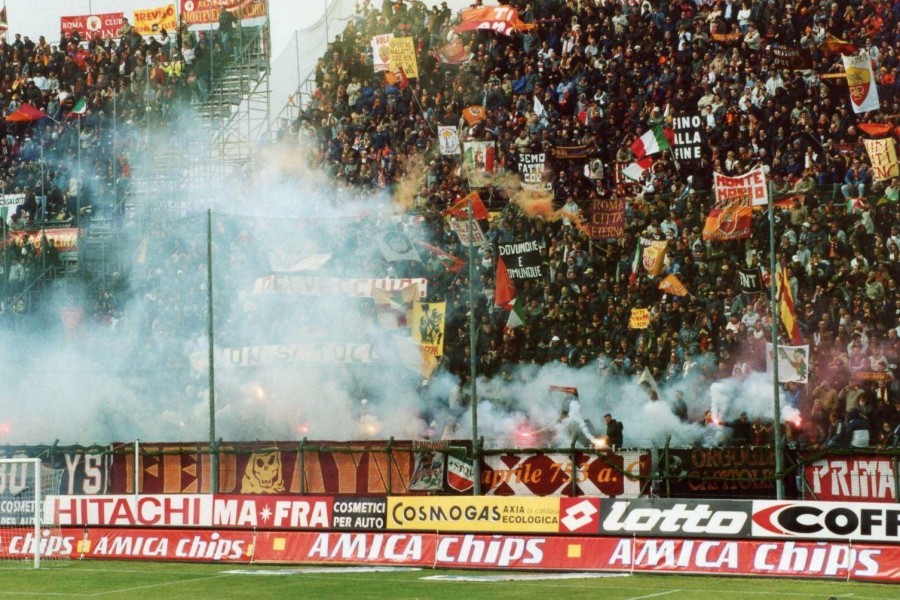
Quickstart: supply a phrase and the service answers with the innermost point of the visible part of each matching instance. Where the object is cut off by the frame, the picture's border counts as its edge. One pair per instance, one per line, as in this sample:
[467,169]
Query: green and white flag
[516,315]
[79,109]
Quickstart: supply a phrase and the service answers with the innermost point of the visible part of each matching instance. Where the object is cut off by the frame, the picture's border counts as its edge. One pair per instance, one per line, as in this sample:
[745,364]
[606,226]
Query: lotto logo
[579,515]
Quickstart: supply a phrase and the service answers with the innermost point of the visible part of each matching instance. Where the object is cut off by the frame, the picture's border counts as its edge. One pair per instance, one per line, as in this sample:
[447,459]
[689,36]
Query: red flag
[786,304]
[501,19]
[876,129]
[25,114]
[461,208]
[450,262]
[504,291]
[835,45]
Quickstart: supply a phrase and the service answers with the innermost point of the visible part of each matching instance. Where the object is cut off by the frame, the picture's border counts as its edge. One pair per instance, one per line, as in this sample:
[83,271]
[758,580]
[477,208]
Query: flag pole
[776,404]
[473,371]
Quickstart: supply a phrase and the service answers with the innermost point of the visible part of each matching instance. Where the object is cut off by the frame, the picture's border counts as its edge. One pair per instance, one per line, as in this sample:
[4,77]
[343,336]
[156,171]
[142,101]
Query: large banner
[448,140]
[332,286]
[721,473]
[428,326]
[859,478]
[751,187]
[688,145]
[282,355]
[750,280]
[246,469]
[883,156]
[64,239]
[861,81]
[533,168]
[468,237]
[93,27]
[206,12]
[793,59]
[724,556]
[151,21]
[402,54]
[83,471]
[622,474]
[478,162]
[608,218]
[522,259]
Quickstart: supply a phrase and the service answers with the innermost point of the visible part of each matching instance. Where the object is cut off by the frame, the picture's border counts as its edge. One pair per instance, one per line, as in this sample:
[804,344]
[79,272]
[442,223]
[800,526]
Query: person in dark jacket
[614,435]
[741,431]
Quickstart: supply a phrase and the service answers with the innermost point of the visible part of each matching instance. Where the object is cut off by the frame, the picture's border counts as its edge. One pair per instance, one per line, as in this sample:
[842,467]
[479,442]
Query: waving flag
[504,290]
[655,140]
[461,209]
[502,19]
[786,305]
[516,315]
[861,81]
[25,114]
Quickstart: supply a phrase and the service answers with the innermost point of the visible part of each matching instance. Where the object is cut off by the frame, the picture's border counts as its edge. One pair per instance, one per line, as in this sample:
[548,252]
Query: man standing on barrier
[614,435]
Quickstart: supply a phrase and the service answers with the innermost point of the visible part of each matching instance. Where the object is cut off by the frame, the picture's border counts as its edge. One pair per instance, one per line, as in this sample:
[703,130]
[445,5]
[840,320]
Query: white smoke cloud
[105,383]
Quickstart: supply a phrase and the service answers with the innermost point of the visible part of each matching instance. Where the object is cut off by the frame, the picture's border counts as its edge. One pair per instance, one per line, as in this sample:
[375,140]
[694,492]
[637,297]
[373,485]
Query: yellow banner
[640,318]
[475,513]
[151,21]
[883,155]
[428,326]
[403,56]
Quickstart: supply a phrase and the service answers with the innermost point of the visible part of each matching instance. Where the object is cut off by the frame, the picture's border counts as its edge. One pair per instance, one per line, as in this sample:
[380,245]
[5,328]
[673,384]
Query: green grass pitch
[168,581]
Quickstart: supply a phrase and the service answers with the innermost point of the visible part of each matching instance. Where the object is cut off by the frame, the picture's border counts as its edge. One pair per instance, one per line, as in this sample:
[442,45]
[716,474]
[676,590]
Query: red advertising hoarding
[864,562]
[863,479]
[90,27]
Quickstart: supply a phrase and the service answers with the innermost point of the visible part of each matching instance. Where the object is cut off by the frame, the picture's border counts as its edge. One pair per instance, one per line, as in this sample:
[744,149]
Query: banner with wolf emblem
[355,468]
[861,81]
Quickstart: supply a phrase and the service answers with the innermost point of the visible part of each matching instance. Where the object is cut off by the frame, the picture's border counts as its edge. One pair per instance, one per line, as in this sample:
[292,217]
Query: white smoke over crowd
[136,375]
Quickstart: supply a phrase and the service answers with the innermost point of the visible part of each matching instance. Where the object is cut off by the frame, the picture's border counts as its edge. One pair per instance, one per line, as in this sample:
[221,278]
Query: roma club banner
[93,27]
[883,156]
[202,12]
[608,218]
[729,221]
[861,81]
[150,21]
[751,186]
[793,363]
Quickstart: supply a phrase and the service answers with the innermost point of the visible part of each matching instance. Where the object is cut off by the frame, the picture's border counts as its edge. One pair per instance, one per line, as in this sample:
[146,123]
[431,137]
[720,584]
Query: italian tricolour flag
[653,141]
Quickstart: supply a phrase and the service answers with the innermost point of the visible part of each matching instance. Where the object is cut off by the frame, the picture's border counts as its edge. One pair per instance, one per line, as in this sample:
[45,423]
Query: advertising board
[774,558]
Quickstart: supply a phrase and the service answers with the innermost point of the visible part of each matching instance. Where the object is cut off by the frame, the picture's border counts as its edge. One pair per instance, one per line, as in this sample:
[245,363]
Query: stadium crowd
[604,72]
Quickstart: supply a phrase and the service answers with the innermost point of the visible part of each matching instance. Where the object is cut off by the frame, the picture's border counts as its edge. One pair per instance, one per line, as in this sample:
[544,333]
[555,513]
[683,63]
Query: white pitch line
[155,585]
[654,595]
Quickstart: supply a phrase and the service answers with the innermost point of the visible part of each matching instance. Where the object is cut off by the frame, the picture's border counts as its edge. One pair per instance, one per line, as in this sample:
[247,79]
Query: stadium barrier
[445,468]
